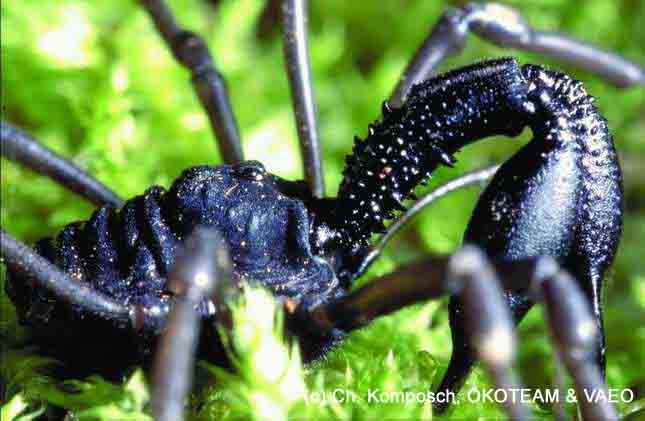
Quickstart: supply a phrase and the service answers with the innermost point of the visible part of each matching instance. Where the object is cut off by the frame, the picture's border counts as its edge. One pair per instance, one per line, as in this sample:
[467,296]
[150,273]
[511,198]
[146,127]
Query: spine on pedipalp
[440,116]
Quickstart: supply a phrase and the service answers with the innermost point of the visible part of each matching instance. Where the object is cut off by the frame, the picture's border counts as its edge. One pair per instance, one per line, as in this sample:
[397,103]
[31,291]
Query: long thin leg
[505,27]
[294,21]
[18,146]
[202,267]
[466,180]
[191,51]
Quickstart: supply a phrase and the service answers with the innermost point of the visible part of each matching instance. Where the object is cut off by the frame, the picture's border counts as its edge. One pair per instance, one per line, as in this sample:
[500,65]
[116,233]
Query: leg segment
[294,20]
[201,270]
[22,148]
[191,51]
[505,27]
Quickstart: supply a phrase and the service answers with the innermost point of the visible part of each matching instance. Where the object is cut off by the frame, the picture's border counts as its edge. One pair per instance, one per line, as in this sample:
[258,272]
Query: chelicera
[151,276]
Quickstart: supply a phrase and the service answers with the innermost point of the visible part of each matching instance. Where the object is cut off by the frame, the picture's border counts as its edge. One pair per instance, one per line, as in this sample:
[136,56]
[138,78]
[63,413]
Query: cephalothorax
[558,201]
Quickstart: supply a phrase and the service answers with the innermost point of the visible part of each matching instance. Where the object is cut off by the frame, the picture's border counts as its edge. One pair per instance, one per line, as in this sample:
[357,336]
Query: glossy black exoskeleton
[559,196]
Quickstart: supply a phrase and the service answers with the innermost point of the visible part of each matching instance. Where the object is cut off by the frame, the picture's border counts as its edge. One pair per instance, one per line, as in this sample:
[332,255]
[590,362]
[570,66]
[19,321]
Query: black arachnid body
[121,279]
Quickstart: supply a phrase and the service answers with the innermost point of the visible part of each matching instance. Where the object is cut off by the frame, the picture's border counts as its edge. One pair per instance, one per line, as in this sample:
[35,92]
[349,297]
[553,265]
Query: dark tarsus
[560,195]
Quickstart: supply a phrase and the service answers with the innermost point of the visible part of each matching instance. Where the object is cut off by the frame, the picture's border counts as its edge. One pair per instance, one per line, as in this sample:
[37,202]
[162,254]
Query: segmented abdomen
[124,254]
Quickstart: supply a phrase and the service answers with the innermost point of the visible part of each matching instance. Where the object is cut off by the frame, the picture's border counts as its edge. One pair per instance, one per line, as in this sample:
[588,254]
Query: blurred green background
[92,80]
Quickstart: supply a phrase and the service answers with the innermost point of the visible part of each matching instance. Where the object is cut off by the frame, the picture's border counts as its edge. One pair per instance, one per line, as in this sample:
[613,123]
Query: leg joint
[191,51]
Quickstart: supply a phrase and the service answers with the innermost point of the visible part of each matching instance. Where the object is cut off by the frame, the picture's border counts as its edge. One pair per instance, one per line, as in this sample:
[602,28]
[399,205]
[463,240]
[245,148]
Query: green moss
[93,81]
